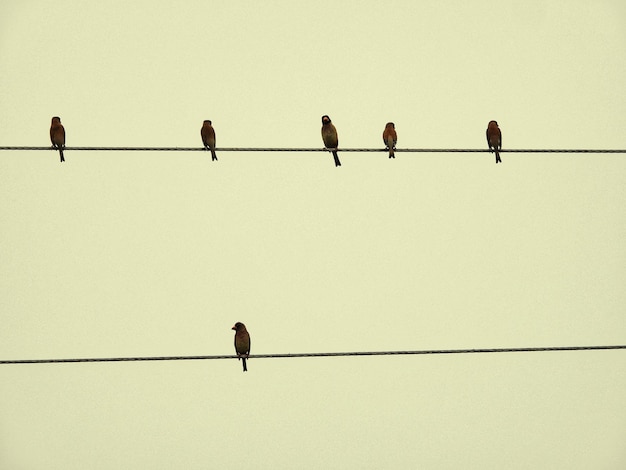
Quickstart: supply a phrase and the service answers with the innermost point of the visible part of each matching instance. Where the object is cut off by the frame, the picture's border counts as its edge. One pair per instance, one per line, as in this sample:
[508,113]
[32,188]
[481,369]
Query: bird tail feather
[336,156]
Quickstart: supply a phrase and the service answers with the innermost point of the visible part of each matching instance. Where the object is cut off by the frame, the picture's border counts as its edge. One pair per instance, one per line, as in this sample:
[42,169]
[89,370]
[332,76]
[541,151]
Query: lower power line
[329,354]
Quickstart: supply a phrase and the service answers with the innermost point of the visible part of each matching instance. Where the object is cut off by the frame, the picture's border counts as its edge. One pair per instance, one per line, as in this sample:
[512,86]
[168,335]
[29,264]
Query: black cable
[335,354]
[276,149]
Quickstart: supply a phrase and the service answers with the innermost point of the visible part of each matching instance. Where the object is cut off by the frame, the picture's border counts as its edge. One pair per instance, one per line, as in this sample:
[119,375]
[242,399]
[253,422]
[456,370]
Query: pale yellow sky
[154,254]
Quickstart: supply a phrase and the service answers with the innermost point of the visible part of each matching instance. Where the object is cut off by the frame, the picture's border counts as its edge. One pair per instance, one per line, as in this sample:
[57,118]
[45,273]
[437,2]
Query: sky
[126,254]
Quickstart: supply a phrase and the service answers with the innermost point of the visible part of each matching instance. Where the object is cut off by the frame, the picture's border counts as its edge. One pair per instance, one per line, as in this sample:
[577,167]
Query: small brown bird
[208,138]
[390,138]
[330,138]
[57,135]
[242,342]
[494,139]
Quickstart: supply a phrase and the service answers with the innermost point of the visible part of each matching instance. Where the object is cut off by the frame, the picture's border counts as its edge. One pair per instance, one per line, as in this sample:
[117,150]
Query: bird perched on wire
[330,138]
[390,138]
[208,138]
[242,343]
[57,135]
[494,139]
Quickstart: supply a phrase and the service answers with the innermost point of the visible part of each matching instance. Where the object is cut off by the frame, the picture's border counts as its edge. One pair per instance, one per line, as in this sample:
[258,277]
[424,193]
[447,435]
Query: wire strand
[277,149]
[328,354]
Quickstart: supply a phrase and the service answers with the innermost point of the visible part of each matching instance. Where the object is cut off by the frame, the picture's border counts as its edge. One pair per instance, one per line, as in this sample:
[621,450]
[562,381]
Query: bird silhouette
[57,135]
[494,139]
[330,138]
[242,343]
[208,138]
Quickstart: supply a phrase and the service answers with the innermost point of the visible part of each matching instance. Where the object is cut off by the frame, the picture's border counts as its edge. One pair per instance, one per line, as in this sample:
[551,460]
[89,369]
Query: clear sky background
[115,254]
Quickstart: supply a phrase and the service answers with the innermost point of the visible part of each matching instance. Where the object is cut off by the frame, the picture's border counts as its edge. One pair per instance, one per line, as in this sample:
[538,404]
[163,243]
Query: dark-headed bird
[242,343]
[208,138]
[494,139]
[329,136]
[57,135]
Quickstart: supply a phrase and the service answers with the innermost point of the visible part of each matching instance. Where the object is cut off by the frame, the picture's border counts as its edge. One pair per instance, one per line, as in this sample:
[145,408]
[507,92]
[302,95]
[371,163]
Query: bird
[494,139]
[208,138]
[57,135]
[242,343]
[329,136]
[390,138]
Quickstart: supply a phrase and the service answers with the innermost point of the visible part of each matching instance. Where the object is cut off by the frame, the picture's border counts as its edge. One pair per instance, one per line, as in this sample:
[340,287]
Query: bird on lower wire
[390,137]
[208,138]
[242,343]
[57,135]
[494,139]
[330,138]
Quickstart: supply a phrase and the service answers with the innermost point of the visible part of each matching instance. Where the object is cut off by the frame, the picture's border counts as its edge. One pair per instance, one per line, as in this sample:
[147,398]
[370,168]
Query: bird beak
[233,328]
